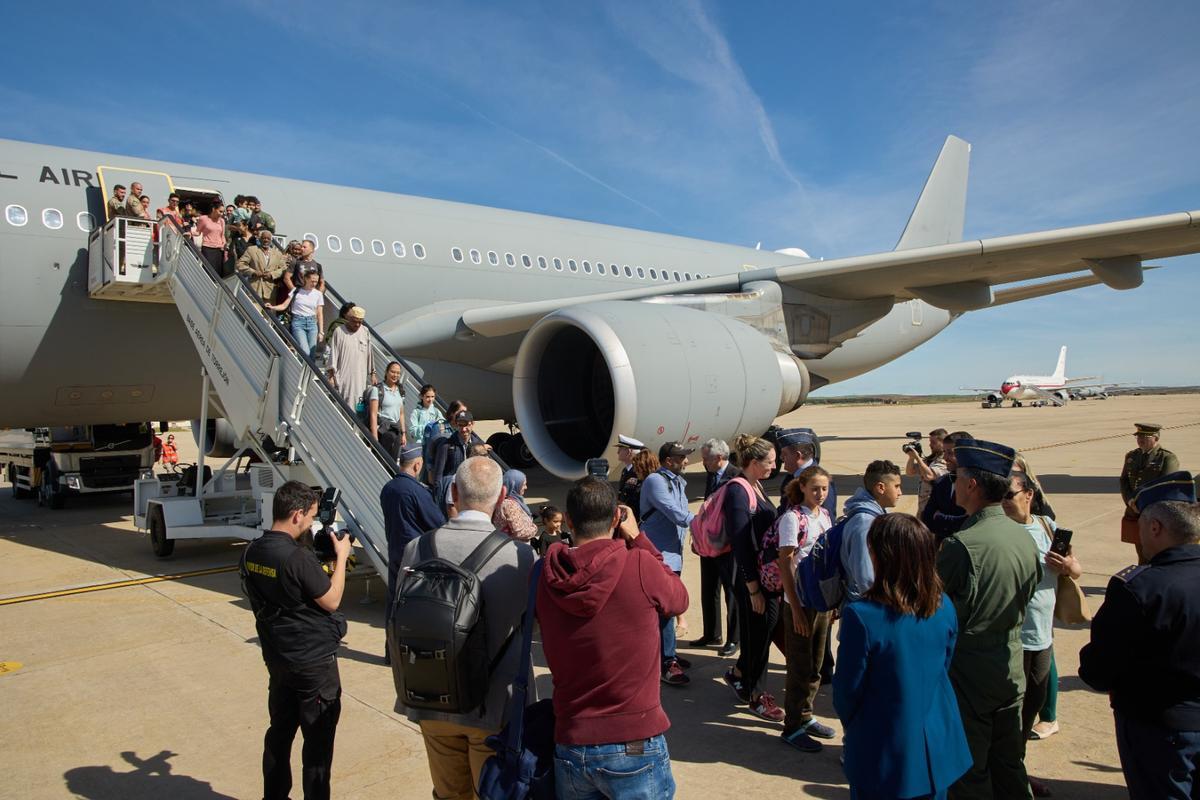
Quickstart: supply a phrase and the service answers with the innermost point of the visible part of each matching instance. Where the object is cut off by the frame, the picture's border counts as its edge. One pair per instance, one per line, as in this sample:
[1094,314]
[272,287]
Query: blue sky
[793,124]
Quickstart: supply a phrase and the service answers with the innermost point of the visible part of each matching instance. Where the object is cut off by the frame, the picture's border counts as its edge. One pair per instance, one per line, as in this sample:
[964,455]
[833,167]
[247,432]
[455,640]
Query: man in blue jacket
[408,511]
[880,491]
[665,520]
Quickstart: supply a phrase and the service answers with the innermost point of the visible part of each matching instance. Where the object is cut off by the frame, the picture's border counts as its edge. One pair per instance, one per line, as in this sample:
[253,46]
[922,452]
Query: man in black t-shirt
[294,277]
[295,605]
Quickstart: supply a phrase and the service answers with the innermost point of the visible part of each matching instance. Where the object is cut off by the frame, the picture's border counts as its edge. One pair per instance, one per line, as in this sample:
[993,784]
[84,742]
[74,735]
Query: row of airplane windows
[53,219]
[334,243]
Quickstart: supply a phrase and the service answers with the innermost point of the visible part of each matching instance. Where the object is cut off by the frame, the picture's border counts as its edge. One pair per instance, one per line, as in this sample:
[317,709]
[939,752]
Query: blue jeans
[304,331]
[666,628]
[596,771]
[1159,763]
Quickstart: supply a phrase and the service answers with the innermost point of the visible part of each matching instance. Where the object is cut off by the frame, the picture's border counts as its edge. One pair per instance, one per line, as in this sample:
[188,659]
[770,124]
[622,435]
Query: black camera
[326,515]
[597,468]
[913,445]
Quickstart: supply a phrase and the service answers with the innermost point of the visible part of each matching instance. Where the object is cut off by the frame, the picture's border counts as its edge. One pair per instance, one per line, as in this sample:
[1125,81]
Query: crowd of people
[944,646]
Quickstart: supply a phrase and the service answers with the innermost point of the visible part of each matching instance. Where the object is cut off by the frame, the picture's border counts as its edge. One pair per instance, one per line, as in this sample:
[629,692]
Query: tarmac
[157,689]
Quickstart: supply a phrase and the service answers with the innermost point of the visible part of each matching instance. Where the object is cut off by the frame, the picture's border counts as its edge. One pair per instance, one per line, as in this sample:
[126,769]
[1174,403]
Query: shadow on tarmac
[150,778]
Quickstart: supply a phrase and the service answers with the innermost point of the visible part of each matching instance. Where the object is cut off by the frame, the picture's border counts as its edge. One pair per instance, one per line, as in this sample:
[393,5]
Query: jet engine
[221,441]
[1063,395]
[655,372]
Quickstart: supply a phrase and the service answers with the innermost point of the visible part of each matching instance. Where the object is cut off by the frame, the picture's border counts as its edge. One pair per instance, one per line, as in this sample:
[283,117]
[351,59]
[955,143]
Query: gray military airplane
[576,330]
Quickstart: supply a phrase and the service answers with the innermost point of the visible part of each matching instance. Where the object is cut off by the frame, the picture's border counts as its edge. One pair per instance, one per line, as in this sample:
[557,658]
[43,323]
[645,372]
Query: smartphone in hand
[1062,541]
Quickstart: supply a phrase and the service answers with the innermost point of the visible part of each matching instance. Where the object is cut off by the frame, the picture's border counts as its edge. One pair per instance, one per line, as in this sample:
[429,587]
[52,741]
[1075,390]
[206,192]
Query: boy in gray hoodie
[880,491]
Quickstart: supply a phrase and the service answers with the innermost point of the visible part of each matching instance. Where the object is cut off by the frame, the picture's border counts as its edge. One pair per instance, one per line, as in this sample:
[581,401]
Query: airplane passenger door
[155,185]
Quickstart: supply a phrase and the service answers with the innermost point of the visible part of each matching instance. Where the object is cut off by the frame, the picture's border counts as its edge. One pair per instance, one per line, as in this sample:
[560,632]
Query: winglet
[940,210]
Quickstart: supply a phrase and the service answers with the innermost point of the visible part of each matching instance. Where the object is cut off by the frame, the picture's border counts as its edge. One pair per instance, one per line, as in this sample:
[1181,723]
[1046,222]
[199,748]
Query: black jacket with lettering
[1145,647]
[282,579]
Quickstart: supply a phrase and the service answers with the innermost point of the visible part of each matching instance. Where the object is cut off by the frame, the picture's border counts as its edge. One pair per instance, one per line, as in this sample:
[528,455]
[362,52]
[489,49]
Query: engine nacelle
[1063,395]
[655,372]
[221,440]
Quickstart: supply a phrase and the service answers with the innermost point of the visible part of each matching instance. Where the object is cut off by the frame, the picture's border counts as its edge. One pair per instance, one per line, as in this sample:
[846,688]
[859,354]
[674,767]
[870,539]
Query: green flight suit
[990,569]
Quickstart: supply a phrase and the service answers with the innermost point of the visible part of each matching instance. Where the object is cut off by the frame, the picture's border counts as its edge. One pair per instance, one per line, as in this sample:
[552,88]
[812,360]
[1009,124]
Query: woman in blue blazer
[903,734]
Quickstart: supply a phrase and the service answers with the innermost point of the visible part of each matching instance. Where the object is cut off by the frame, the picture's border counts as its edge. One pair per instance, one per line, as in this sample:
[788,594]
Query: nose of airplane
[1008,386]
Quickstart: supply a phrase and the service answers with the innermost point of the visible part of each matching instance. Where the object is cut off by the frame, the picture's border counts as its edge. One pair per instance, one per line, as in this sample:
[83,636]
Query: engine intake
[656,372]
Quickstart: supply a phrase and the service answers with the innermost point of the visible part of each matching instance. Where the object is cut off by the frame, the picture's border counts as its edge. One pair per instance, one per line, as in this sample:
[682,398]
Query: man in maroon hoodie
[599,605]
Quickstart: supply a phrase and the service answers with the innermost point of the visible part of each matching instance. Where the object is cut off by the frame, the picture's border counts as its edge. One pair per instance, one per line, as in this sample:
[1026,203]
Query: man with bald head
[456,743]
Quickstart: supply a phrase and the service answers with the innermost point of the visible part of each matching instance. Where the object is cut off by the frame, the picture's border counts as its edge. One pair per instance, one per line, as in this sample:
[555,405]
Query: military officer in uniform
[1144,463]
[990,569]
[627,448]
[295,605]
[1145,647]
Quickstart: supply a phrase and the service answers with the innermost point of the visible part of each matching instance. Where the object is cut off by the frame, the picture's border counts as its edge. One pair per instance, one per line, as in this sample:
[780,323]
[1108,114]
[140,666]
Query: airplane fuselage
[66,358]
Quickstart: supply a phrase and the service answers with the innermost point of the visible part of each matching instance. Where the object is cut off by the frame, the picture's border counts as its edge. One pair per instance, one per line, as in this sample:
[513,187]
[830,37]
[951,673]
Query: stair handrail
[264,318]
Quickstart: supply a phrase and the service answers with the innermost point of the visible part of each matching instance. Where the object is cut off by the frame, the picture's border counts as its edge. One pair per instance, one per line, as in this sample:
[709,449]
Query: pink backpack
[709,537]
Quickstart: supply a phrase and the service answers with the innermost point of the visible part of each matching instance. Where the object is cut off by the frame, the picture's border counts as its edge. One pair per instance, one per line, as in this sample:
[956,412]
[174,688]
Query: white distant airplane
[1054,389]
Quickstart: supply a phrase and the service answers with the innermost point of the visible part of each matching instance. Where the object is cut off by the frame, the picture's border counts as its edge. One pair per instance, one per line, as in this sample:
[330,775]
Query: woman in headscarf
[513,516]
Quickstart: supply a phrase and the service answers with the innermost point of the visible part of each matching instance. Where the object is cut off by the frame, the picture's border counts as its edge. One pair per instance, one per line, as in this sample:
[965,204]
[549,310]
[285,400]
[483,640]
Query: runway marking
[1100,438]
[100,587]
[9,666]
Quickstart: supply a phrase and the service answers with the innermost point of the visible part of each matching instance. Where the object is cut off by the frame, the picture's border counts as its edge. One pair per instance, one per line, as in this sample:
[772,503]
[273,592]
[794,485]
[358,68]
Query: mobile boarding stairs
[255,378]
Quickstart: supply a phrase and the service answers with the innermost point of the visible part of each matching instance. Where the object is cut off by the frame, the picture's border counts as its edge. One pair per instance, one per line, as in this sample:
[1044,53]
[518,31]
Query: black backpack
[437,638]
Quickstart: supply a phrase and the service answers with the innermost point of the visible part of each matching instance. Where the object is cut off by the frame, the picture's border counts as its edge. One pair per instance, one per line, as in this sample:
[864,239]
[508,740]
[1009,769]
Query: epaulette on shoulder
[1131,572]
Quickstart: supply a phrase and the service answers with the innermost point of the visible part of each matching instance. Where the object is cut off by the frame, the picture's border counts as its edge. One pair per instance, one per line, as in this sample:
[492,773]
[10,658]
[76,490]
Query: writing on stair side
[202,344]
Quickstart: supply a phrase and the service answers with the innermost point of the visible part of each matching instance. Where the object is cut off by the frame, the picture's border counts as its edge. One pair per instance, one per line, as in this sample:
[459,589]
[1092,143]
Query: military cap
[674,450]
[986,456]
[410,453]
[630,442]
[795,436]
[1176,486]
[1146,428]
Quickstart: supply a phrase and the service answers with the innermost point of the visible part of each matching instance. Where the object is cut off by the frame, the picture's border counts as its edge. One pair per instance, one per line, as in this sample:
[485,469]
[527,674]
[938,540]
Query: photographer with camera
[295,613]
[928,467]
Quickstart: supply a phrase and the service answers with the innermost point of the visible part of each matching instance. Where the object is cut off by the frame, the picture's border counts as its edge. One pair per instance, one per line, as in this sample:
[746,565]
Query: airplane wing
[957,277]
[960,276]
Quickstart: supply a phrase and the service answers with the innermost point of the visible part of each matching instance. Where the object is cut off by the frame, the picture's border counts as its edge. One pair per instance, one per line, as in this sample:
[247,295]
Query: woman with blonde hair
[748,515]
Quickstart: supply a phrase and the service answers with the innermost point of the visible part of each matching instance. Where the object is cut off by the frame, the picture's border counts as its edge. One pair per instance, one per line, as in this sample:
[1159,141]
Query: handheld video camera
[326,515]
[913,445]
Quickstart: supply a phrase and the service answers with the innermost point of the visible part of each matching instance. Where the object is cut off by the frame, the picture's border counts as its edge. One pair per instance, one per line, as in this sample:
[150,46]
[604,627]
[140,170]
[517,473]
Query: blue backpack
[820,576]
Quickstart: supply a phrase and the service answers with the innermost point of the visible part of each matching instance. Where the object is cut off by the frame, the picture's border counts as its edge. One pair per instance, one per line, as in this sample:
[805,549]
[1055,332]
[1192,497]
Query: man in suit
[716,573]
[263,265]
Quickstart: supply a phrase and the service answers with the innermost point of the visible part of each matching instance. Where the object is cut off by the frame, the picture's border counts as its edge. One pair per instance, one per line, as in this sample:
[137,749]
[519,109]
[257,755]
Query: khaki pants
[456,754]
[805,655]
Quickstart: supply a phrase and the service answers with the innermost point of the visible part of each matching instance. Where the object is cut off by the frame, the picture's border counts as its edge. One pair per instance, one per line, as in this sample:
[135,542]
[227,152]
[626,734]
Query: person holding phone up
[1037,632]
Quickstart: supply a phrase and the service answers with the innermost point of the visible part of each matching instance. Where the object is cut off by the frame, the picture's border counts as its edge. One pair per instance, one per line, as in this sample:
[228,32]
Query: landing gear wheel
[520,455]
[159,543]
[499,443]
